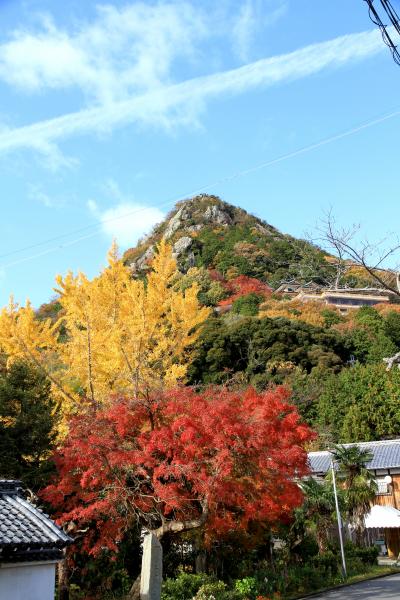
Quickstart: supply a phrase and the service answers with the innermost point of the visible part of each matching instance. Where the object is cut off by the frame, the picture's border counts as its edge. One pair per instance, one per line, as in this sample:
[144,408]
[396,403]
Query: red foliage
[223,454]
[243,285]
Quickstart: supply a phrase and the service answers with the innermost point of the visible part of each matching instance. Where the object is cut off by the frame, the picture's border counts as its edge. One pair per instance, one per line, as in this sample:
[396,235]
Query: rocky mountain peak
[207,233]
[184,225]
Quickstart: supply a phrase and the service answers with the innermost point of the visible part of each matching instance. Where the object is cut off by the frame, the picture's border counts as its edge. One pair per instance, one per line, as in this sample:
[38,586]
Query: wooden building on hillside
[385,466]
[347,298]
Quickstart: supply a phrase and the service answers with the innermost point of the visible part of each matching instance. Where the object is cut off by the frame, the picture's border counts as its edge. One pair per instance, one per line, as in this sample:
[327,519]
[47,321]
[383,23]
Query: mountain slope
[206,232]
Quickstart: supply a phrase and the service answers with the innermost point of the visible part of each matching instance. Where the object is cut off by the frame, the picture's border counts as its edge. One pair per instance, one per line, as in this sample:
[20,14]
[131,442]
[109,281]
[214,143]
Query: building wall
[392,498]
[27,581]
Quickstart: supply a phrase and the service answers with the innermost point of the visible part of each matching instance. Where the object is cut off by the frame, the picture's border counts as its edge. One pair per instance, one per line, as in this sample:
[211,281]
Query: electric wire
[193,193]
[394,19]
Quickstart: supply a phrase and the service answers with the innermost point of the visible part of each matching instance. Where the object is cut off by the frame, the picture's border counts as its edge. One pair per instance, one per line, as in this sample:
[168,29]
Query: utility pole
[339,520]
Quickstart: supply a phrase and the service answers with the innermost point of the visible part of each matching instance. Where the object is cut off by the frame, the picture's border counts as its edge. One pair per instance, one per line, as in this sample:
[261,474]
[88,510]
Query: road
[385,588]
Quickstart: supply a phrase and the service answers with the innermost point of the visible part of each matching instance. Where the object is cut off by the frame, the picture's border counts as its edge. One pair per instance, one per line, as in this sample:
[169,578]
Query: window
[383,487]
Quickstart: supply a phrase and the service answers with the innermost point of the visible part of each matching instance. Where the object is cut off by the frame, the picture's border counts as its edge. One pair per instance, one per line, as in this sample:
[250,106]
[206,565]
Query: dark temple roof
[386,455]
[26,533]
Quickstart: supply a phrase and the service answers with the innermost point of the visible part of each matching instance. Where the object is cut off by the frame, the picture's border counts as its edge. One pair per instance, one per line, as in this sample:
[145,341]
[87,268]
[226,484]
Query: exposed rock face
[214,214]
[263,229]
[142,262]
[181,245]
[189,227]
[175,223]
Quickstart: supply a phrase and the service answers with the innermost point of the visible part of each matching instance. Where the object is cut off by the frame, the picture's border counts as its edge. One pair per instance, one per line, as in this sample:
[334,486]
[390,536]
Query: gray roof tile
[23,526]
[386,455]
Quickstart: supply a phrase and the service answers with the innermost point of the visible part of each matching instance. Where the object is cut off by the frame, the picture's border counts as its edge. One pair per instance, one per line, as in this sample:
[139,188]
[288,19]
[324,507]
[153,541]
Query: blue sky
[111,112]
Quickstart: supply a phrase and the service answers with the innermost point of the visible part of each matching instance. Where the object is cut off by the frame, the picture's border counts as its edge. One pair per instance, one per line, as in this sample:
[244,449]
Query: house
[347,298]
[31,545]
[292,288]
[385,466]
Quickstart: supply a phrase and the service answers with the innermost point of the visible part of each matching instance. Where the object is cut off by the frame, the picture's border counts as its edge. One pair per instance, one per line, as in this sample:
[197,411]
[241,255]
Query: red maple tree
[243,285]
[218,458]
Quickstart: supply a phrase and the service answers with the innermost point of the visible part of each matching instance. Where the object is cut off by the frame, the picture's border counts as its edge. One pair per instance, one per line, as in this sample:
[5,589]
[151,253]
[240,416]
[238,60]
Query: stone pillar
[151,577]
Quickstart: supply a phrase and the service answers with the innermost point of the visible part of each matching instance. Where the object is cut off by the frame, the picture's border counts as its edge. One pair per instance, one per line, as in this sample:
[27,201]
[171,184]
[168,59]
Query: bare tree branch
[349,253]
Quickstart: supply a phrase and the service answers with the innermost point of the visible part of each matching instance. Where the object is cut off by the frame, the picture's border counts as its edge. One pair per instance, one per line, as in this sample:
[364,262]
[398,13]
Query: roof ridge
[42,522]
[372,443]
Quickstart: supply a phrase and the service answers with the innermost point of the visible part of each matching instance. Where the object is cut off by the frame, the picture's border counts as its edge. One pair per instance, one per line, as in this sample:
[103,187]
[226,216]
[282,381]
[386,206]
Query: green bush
[185,586]
[367,555]
[328,561]
[355,566]
[247,587]
[213,591]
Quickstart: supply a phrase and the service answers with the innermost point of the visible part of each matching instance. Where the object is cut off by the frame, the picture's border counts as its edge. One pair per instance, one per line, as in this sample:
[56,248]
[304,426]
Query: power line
[227,178]
[394,19]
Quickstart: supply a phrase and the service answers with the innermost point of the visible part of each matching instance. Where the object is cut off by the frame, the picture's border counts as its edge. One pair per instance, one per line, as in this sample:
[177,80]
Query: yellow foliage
[295,310]
[386,307]
[122,335]
[21,335]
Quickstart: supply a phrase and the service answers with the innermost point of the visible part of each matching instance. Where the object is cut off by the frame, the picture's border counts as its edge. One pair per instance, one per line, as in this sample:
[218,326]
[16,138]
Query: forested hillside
[139,398]
[209,234]
[331,362]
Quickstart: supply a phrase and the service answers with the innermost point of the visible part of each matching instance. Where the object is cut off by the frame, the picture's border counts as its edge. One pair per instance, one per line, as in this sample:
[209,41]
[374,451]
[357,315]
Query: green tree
[260,351]
[247,305]
[361,403]
[357,482]
[372,338]
[392,327]
[28,420]
[318,509]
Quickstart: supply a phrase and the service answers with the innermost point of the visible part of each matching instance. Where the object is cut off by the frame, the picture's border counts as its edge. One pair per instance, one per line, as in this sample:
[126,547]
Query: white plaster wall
[27,581]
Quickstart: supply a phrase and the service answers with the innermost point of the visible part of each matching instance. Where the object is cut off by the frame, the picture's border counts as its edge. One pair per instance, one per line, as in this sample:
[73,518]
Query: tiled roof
[23,527]
[386,455]
[319,462]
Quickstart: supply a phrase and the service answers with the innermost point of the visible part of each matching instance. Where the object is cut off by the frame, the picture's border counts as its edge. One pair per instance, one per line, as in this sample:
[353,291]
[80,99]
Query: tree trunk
[63,586]
[201,562]
[321,538]
[134,592]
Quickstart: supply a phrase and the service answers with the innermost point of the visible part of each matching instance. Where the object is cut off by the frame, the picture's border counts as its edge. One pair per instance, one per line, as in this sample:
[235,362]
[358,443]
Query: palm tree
[357,482]
[318,509]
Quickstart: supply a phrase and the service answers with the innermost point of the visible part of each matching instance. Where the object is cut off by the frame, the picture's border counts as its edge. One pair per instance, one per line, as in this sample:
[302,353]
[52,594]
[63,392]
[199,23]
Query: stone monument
[151,577]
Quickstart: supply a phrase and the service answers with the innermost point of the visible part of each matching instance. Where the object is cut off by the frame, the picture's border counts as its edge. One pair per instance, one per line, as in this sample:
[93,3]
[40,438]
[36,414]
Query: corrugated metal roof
[386,455]
[23,527]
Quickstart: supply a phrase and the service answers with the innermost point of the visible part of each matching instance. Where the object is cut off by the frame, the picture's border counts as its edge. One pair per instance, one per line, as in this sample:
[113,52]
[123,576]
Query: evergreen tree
[28,419]
[360,404]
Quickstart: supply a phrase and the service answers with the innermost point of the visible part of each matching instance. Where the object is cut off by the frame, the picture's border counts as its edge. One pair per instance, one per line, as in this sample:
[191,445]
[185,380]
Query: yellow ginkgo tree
[120,335]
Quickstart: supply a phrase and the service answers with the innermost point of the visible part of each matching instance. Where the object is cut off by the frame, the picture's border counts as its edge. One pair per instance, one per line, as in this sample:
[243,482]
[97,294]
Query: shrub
[213,591]
[367,555]
[185,586]
[355,566]
[247,587]
[328,561]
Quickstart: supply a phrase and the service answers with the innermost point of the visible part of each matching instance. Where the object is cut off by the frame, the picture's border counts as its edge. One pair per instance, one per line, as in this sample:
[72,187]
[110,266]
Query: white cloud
[38,195]
[127,221]
[254,16]
[124,50]
[182,103]
[243,29]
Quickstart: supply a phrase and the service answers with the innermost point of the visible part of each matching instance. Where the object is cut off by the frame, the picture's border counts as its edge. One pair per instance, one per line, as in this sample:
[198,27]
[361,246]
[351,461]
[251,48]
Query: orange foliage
[295,310]
[243,285]
[385,307]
